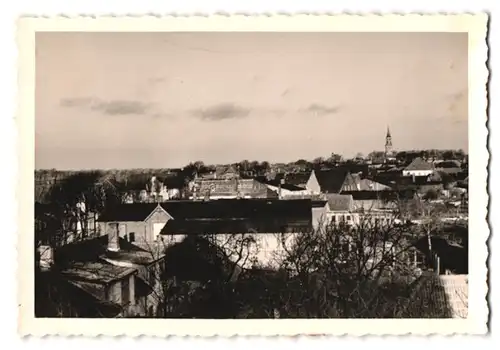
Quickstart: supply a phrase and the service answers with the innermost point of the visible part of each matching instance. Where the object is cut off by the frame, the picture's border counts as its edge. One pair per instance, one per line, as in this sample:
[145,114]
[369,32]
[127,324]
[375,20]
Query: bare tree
[331,270]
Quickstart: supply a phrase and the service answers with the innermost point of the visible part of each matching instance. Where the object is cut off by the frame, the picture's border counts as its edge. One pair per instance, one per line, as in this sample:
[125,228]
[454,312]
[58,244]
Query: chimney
[113,237]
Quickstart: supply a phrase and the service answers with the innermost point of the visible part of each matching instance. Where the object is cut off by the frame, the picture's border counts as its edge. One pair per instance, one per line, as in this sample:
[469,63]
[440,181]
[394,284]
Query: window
[348,217]
[125,291]
[131,237]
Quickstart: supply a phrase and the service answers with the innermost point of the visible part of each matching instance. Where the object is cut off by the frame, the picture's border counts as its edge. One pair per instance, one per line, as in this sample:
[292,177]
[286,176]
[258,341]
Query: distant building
[341,209]
[230,188]
[304,179]
[451,167]
[284,190]
[418,167]
[388,145]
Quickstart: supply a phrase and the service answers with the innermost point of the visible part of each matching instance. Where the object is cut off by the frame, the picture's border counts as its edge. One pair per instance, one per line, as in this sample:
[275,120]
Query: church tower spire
[388,143]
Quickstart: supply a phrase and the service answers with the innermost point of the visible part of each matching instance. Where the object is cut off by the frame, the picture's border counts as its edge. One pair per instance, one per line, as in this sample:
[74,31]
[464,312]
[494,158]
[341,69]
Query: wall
[287,193]
[114,293]
[339,216]
[158,216]
[143,230]
[417,172]
[265,251]
[137,227]
[319,217]
[312,184]
[150,305]
[369,204]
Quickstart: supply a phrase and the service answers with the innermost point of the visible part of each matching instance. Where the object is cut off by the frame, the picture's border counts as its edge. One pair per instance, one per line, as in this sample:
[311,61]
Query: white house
[265,224]
[418,167]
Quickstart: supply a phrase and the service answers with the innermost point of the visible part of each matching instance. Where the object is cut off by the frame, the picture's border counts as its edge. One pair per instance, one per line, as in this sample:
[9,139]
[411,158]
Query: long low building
[267,221]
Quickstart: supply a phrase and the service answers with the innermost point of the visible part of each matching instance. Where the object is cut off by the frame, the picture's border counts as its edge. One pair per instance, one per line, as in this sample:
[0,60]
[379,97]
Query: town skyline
[130,100]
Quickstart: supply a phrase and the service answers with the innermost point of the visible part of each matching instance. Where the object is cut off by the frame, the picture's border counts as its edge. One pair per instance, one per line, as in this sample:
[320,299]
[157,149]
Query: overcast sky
[131,100]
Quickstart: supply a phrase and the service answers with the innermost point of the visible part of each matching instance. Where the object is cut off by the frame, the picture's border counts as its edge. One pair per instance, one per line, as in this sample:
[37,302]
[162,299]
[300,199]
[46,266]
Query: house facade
[137,222]
[340,209]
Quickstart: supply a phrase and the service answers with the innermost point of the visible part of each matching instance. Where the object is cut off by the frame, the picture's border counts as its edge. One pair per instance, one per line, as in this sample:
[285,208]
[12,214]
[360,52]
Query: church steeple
[388,143]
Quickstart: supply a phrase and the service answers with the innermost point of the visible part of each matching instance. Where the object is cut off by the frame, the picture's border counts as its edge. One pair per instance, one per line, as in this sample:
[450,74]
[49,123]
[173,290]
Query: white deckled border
[475,25]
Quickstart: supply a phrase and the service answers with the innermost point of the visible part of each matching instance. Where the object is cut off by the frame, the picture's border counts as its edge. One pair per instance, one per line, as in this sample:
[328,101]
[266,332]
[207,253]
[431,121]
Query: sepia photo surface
[265,175]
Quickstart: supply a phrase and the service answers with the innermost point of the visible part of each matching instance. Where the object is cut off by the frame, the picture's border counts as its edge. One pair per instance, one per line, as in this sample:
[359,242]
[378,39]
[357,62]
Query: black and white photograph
[252,175]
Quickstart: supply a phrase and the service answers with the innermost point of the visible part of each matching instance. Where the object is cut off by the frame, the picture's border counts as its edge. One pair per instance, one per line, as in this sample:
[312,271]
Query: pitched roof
[94,250]
[95,271]
[331,181]
[419,164]
[456,289]
[380,195]
[444,296]
[448,164]
[128,212]
[231,187]
[239,215]
[231,208]
[298,178]
[339,202]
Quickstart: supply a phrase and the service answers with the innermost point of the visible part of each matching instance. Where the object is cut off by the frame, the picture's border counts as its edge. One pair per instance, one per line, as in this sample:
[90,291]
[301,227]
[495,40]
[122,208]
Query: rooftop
[96,271]
[340,202]
[220,209]
[419,164]
[331,181]
[243,215]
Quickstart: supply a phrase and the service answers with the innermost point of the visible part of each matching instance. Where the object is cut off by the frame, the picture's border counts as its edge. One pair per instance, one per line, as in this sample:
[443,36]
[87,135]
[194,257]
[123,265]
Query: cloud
[321,109]
[113,107]
[221,112]
[76,102]
[122,107]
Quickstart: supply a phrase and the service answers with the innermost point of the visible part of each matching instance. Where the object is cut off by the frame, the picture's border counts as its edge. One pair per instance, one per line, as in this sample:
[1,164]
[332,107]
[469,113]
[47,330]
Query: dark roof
[277,183]
[298,178]
[380,195]
[316,203]
[128,212]
[448,164]
[173,180]
[239,215]
[331,181]
[235,208]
